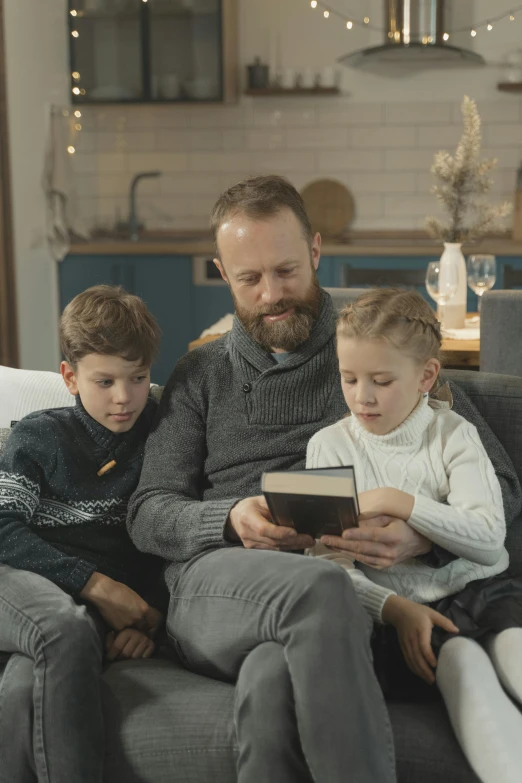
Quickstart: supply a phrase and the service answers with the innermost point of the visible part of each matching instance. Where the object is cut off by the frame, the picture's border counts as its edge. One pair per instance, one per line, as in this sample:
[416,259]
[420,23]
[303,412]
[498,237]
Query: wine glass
[482,273]
[441,285]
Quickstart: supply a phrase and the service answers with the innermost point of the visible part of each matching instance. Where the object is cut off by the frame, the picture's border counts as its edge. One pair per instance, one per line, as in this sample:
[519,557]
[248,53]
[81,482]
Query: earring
[426,394]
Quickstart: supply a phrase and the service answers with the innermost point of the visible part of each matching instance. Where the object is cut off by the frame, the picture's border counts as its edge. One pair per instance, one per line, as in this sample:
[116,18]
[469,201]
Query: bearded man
[245,606]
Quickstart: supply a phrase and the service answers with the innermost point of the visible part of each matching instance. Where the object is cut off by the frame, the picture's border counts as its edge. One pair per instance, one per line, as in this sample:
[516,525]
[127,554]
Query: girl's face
[381,385]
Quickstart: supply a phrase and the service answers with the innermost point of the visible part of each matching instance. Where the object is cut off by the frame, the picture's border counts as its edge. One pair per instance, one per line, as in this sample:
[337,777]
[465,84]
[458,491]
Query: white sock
[487,724]
[505,651]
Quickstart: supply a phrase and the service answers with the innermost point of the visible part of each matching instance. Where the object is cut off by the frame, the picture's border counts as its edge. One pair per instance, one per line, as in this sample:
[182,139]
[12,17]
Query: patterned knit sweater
[58,518]
[228,413]
[436,456]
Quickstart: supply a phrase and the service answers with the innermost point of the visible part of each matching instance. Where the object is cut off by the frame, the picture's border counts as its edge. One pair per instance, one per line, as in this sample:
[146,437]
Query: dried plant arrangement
[463,181]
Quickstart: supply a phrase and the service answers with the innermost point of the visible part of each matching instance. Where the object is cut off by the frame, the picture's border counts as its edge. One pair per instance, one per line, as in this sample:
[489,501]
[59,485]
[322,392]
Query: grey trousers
[290,630]
[60,642]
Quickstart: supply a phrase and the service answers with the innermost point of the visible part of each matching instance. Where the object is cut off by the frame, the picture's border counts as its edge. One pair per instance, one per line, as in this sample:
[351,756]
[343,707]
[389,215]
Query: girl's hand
[414,623]
[129,643]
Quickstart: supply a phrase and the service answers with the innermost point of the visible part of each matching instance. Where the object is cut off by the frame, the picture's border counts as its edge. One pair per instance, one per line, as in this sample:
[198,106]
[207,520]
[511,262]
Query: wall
[36,41]
[379,138]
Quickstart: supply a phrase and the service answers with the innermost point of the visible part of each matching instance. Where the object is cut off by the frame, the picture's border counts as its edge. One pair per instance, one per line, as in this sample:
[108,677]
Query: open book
[316,501]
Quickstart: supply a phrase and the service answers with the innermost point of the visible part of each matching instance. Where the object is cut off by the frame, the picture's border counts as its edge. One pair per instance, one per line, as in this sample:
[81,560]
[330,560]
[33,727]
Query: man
[244,606]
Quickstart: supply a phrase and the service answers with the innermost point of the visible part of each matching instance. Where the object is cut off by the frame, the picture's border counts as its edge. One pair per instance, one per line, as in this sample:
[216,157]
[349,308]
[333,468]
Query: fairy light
[71,150]
[77,114]
[445,37]
[490,26]
[76,90]
[78,126]
[511,17]
[473,33]
[75,34]
[314,3]
[326,14]
[82,91]
[74,13]
[76,76]
[349,25]
[366,20]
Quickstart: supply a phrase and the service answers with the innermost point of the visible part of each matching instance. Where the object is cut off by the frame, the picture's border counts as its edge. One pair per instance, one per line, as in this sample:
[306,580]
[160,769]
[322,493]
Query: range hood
[413,40]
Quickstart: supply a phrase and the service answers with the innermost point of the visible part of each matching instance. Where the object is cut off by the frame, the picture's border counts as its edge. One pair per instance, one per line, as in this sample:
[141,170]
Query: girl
[418,461]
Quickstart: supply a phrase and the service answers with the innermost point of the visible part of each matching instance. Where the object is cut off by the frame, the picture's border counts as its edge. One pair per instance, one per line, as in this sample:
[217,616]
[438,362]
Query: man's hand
[129,643]
[414,623]
[251,522]
[120,606]
[380,542]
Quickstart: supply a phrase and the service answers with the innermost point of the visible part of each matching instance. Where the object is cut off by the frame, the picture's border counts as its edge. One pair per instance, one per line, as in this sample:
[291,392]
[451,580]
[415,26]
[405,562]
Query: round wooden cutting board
[330,206]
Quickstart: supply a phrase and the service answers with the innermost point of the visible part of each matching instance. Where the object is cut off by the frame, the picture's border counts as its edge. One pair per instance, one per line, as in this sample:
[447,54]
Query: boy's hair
[260,198]
[398,316]
[108,320]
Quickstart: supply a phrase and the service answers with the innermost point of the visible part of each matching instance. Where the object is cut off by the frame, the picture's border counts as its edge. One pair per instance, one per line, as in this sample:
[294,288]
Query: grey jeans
[57,643]
[290,630]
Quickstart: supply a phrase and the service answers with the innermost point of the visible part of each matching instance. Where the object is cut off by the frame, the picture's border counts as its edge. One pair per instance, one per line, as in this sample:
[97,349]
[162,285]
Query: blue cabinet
[163,282]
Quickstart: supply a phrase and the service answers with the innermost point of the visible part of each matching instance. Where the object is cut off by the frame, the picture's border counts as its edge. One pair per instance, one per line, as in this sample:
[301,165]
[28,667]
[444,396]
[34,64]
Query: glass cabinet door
[106,50]
[146,50]
[185,50]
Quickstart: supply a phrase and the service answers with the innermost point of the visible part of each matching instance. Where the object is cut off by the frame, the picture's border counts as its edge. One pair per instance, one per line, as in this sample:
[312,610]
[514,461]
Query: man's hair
[108,320]
[260,198]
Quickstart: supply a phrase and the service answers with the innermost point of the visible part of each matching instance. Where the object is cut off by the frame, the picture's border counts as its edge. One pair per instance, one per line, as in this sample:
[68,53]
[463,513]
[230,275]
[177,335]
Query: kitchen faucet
[133,217]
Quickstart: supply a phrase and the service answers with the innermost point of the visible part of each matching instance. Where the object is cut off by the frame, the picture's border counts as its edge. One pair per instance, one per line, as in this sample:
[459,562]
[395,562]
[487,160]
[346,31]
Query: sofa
[165,724]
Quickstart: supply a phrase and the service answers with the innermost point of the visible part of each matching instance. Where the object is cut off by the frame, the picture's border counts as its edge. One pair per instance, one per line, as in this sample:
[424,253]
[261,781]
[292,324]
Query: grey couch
[167,725]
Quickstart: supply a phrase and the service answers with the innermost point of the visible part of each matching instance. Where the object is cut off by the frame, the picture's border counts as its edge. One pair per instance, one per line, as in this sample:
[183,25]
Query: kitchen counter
[358,243]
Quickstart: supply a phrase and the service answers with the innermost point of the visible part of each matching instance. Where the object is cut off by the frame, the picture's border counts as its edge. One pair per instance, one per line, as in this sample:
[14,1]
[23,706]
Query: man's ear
[430,375]
[221,269]
[69,378]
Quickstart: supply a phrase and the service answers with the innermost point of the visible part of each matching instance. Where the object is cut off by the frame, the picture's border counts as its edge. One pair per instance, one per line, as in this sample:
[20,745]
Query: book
[315,501]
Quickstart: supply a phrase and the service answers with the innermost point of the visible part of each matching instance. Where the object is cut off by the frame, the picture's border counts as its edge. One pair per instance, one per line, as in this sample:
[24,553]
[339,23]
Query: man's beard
[293,330]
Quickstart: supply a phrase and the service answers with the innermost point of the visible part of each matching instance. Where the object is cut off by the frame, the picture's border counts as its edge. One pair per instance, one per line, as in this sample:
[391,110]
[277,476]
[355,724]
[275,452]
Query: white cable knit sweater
[436,456]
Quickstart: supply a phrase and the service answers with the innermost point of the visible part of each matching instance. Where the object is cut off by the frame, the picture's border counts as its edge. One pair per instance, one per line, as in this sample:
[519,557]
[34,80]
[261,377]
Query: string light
[74,13]
[82,91]
[76,76]
[76,90]
[487,23]
[75,34]
[71,150]
[349,25]
[77,114]
[78,126]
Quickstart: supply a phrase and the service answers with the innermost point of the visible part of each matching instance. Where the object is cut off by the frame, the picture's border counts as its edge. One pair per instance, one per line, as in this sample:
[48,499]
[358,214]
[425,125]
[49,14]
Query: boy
[68,569]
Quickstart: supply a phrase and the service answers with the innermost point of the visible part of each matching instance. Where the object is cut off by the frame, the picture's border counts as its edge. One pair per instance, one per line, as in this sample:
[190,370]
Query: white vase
[455,309]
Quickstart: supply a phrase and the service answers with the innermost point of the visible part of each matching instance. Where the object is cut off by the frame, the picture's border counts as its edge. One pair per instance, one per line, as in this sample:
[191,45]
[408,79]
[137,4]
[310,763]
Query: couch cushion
[25,391]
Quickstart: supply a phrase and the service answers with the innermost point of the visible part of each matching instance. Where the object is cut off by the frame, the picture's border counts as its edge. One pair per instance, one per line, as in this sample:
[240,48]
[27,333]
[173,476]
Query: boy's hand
[120,606]
[414,623]
[250,522]
[129,643]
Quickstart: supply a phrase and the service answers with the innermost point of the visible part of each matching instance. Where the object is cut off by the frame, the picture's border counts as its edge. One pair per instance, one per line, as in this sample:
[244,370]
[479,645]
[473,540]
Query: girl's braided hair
[399,316]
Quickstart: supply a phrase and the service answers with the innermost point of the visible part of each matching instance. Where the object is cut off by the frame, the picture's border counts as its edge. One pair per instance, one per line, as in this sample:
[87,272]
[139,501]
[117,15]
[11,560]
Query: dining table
[458,353]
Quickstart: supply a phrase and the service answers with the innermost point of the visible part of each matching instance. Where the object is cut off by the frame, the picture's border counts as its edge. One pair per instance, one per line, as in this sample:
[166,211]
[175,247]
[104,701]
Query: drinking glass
[482,273]
[441,286]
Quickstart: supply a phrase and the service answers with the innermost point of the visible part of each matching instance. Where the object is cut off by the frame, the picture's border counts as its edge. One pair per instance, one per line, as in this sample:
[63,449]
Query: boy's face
[113,390]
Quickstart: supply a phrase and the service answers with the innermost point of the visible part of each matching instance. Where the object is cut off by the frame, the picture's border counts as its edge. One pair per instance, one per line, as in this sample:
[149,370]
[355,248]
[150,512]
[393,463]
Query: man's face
[113,390]
[271,271]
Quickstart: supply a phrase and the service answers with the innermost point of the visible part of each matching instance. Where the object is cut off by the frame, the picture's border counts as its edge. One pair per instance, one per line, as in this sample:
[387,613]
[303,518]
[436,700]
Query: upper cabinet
[153,50]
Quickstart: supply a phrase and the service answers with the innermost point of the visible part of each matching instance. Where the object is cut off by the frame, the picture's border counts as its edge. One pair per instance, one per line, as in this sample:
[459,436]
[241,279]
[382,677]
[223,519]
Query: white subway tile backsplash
[439,137]
[316,138]
[383,137]
[417,113]
[350,114]
[350,160]
[383,152]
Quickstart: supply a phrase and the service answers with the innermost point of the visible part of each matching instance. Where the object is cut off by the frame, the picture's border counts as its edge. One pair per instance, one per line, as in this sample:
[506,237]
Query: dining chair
[511,277]
[500,330]
[353,276]
[343,296]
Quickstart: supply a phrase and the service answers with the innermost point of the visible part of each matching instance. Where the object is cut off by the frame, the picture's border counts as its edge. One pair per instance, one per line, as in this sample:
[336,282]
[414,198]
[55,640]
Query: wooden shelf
[510,86]
[282,91]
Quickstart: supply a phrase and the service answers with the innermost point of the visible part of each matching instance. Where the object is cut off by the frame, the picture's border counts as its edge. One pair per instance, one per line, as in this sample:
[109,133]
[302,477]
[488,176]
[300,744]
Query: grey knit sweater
[227,414]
